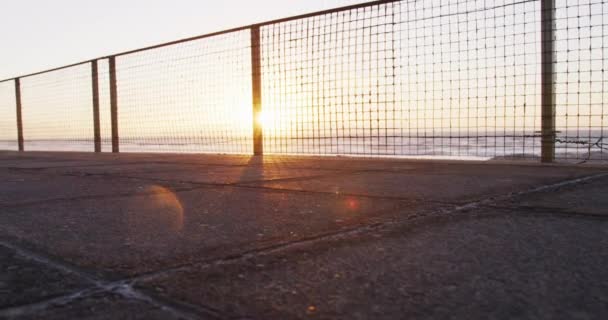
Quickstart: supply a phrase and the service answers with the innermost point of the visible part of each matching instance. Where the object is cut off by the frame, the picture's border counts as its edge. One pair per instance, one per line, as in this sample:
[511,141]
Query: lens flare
[352,204]
[159,212]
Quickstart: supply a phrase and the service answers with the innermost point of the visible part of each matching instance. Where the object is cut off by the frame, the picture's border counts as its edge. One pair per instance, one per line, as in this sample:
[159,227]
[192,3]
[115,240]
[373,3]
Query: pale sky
[444,68]
[42,34]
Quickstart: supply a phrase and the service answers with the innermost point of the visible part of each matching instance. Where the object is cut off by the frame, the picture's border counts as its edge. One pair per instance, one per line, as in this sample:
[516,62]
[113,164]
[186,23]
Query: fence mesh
[469,78]
[329,83]
[581,82]
[57,110]
[424,78]
[8,116]
[189,97]
[447,78]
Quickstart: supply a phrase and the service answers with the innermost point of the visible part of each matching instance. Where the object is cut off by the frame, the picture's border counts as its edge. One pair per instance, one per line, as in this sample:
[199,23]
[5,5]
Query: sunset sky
[415,68]
[39,34]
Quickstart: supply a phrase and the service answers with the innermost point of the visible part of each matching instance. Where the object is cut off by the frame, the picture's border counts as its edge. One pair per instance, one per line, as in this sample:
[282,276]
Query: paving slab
[123,169]
[590,197]
[55,160]
[455,183]
[540,256]
[494,265]
[208,171]
[191,173]
[136,234]
[25,281]
[18,188]
[223,159]
[231,175]
[101,306]
[48,163]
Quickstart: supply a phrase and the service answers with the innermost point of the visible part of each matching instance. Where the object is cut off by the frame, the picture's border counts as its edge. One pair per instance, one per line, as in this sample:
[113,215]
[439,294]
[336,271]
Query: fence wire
[8,116]
[438,78]
[57,110]
[469,78]
[329,83]
[424,78]
[189,97]
[581,82]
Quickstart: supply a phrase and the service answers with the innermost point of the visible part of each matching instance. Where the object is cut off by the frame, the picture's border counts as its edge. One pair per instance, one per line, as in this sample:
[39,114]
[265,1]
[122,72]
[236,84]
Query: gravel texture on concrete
[489,265]
[147,236]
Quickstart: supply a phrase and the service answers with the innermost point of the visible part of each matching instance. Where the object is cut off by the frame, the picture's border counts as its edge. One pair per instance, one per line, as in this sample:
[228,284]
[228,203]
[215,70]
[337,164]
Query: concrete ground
[151,236]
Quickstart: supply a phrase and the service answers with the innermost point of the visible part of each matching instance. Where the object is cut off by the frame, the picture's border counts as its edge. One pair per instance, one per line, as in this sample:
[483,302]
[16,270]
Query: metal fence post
[96,125]
[548,132]
[19,114]
[256,85]
[114,105]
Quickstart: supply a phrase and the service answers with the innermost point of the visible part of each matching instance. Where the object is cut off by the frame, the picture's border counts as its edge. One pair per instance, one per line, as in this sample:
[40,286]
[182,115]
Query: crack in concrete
[209,185]
[238,184]
[97,286]
[37,169]
[100,196]
[248,185]
[180,310]
[354,231]
[533,190]
[48,261]
[553,212]
[35,307]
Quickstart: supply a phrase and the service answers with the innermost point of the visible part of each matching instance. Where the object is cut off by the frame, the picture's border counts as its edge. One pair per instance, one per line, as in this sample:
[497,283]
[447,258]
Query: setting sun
[266,119]
[327,159]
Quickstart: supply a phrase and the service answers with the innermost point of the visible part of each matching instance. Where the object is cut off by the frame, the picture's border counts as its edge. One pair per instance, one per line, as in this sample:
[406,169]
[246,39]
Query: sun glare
[266,119]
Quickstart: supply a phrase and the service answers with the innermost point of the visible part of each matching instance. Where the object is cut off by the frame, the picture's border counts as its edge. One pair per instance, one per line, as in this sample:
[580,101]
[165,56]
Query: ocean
[568,148]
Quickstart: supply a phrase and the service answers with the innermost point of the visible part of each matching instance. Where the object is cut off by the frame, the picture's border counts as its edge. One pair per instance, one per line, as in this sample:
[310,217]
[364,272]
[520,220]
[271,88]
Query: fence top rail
[208,35]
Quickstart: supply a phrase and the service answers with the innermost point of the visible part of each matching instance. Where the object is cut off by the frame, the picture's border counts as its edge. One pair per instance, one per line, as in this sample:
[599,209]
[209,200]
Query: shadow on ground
[166,236]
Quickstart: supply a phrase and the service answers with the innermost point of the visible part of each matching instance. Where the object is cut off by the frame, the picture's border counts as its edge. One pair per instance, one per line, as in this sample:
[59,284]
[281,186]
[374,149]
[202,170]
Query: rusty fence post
[256,85]
[548,133]
[114,105]
[96,125]
[19,114]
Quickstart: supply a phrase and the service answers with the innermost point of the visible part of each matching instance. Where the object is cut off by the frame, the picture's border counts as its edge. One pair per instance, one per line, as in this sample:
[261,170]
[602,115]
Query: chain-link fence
[428,78]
